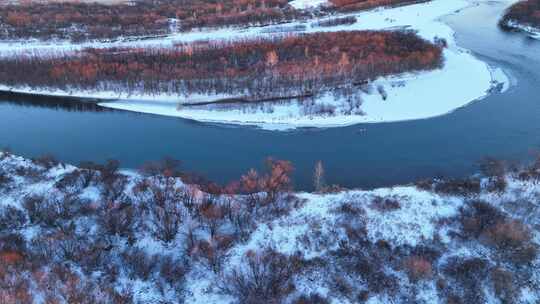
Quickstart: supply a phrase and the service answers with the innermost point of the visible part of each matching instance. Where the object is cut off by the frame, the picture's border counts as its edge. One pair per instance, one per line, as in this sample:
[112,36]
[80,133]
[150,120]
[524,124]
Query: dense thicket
[525,12]
[83,21]
[356,5]
[79,21]
[283,66]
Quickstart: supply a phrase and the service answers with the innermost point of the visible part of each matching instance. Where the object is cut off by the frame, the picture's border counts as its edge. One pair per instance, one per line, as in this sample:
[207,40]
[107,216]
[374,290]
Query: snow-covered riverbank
[531,31]
[463,79]
[152,239]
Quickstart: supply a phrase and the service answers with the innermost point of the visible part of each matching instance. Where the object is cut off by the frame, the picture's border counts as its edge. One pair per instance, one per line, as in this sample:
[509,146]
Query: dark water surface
[504,125]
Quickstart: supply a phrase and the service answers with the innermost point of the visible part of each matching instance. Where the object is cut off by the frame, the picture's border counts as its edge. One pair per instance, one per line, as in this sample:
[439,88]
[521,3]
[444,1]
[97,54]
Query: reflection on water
[504,125]
[69,104]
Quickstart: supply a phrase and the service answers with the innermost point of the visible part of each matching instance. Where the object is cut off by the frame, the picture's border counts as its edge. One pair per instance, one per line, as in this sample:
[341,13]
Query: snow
[315,229]
[412,224]
[462,80]
[412,96]
[306,4]
[532,31]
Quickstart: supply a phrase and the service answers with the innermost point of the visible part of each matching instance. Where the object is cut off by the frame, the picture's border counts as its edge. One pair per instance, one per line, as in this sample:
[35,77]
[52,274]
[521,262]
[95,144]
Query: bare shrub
[468,275]
[89,172]
[41,210]
[5,180]
[12,242]
[503,283]
[491,167]
[278,179]
[113,181]
[173,271]
[385,204]
[350,209]
[514,239]
[32,173]
[15,289]
[11,218]
[508,234]
[495,170]
[167,167]
[118,219]
[266,277]
[463,187]
[479,217]
[511,237]
[213,251]
[313,298]
[418,268]
[341,285]
[497,184]
[165,210]
[377,280]
[425,184]
[141,264]
[268,188]
[46,161]
[212,215]
[337,21]
[73,182]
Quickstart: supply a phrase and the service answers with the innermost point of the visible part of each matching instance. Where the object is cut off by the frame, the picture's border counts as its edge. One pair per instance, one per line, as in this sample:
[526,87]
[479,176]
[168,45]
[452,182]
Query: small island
[273,64]
[523,16]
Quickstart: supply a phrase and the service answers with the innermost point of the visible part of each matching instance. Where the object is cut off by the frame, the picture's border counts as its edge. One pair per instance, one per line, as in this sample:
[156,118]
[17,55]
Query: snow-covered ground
[351,242]
[532,31]
[307,4]
[463,79]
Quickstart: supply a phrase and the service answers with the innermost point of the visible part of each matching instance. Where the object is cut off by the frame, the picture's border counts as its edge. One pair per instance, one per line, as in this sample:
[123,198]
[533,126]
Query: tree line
[88,21]
[358,5]
[283,66]
[82,21]
[525,12]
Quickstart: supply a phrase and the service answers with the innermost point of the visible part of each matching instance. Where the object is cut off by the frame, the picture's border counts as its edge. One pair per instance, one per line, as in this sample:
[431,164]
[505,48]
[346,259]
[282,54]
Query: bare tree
[318,177]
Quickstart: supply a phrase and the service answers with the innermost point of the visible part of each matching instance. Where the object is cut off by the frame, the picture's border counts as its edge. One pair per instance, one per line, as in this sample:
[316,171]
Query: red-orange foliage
[355,5]
[526,12]
[10,258]
[418,268]
[509,234]
[93,20]
[276,180]
[293,64]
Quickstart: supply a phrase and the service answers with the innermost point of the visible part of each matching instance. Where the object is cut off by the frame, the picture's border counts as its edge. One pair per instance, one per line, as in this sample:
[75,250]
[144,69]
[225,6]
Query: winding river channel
[504,125]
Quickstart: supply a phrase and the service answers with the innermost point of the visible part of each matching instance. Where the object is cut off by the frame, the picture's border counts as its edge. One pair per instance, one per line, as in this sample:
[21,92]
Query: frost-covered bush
[313,298]
[163,205]
[46,161]
[11,218]
[12,242]
[118,219]
[160,240]
[467,275]
[337,21]
[74,182]
[385,204]
[42,210]
[140,264]
[479,216]
[504,284]
[263,277]
[468,186]
[5,179]
[418,268]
